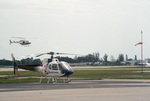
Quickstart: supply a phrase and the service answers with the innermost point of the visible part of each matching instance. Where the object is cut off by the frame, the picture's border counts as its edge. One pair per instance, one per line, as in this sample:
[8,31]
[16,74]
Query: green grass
[13,80]
[110,74]
[85,74]
[22,73]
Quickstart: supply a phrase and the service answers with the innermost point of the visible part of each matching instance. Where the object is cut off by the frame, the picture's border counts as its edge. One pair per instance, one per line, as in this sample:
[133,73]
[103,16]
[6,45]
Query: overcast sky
[75,26]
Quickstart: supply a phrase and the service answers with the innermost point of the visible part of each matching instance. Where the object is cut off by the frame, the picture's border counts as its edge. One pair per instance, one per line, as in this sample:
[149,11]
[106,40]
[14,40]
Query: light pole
[141,43]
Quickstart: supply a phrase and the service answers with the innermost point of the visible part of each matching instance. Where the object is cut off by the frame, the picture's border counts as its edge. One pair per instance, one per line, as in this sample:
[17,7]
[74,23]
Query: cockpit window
[60,66]
[67,65]
[54,67]
[64,65]
[50,66]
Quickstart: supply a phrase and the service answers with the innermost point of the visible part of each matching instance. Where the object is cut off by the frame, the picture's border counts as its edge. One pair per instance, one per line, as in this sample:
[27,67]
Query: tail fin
[10,42]
[15,64]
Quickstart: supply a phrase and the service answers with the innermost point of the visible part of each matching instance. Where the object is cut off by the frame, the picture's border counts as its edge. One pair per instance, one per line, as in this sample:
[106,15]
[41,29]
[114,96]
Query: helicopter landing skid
[54,80]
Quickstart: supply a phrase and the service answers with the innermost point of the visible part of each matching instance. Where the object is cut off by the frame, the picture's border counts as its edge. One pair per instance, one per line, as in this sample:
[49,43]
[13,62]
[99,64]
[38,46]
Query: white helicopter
[52,68]
[21,42]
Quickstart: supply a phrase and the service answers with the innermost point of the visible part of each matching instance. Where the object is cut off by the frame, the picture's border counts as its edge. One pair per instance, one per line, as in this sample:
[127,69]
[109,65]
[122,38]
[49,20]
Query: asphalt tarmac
[87,90]
[107,83]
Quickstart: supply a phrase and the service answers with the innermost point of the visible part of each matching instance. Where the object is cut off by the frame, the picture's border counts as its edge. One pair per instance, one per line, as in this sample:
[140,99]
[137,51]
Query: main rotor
[53,53]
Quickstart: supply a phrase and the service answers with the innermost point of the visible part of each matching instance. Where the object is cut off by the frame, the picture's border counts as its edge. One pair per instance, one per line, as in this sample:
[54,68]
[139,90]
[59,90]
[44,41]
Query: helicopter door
[53,69]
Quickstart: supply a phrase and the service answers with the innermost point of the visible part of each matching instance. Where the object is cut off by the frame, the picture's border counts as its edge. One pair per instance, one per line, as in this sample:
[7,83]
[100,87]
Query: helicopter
[50,67]
[21,42]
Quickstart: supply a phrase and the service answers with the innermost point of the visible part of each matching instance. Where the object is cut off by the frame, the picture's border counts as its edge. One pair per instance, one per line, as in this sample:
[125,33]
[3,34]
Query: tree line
[90,59]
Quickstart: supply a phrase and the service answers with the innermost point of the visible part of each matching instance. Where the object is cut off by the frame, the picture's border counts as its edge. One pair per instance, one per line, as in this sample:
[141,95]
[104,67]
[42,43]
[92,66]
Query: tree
[135,57]
[36,62]
[30,61]
[96,56]
[126,57]
[105,59]
[112,59]
[121,58]
[67,59]
[5,62]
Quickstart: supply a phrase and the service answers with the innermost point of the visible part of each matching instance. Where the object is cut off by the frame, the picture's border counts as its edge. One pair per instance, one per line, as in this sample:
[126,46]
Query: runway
[107,83]
[87,90]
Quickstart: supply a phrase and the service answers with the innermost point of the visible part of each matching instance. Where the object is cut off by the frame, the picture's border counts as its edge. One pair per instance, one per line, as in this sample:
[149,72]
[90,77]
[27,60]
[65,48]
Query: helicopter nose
[71,72]
[68,72]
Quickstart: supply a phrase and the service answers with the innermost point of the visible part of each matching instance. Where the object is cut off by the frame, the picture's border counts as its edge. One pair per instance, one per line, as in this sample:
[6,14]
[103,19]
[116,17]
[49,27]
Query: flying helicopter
[52,68]
[21,42]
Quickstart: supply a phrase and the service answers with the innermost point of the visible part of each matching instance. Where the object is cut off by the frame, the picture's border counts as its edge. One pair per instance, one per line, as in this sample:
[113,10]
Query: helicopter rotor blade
[53,53]
[19,37]
[67,54]
[41,54]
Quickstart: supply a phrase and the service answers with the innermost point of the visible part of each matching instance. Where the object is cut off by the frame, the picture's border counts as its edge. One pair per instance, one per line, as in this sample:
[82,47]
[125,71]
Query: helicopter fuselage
[50,67]
[22,42]
[56,69]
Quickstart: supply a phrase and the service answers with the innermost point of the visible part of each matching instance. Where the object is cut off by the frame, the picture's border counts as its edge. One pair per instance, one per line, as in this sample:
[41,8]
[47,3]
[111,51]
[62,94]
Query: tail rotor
[15,64]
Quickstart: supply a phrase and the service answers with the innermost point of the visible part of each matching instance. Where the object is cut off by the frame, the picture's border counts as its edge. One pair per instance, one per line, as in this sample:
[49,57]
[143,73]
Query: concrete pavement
[89,90]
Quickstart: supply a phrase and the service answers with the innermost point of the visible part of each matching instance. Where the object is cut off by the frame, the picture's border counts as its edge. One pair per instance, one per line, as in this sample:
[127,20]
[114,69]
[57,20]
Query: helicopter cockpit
[59,68]
[66,68]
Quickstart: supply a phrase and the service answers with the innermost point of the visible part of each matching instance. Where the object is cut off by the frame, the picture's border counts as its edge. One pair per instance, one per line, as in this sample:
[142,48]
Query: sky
[109,27]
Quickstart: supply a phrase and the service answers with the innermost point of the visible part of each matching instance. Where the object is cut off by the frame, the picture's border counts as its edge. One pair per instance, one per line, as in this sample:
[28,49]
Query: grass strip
[98,74]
